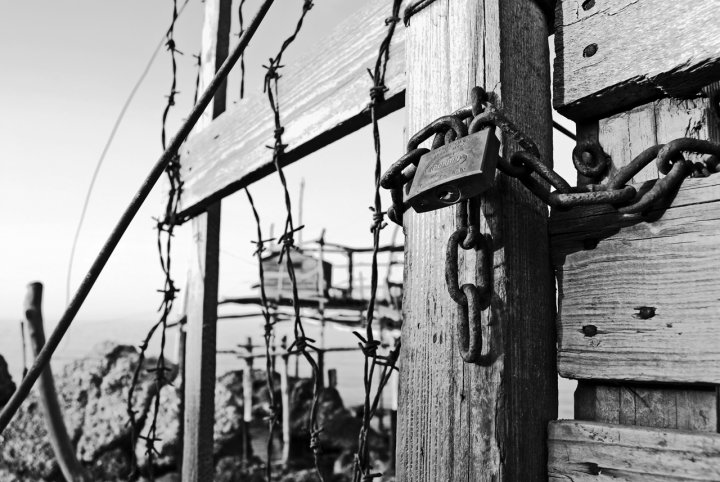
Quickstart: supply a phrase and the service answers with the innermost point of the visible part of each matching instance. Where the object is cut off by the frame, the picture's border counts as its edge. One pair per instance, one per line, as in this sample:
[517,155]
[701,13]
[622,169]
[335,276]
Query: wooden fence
[639,313]
[638,304]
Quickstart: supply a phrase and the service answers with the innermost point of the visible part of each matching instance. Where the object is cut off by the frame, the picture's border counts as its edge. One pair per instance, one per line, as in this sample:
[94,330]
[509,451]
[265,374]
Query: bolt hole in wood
[588,4]
[589,330]
[644,312]
[590,50]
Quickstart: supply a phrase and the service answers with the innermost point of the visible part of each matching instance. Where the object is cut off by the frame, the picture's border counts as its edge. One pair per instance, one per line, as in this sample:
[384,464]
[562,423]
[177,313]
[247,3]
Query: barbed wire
[241,21]
[368,343]
[268,333]
[302,345]
[165,231]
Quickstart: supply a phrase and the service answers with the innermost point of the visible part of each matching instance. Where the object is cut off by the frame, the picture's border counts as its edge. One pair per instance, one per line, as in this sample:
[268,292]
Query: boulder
[7,386]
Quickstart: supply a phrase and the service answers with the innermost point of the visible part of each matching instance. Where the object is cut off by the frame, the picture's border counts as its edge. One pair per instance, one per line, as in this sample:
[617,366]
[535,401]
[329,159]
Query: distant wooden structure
[313,277]
[646,404]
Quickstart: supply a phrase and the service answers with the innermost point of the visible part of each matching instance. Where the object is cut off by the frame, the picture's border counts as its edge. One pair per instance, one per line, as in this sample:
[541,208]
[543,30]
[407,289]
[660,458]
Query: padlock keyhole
[448,194]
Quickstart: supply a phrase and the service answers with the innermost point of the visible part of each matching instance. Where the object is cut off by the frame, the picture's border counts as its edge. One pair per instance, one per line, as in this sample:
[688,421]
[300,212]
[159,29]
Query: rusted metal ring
[626,173]
[393,176]
[451,267]
[590,159]
[662,188]
[439,125]
[672,151]
[469,325]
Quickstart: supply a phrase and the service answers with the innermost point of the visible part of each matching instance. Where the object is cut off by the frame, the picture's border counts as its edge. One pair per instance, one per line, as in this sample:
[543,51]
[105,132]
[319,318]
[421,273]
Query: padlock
[457,171]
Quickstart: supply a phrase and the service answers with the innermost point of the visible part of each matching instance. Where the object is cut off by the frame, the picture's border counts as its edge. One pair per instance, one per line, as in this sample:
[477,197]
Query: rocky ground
[93,392]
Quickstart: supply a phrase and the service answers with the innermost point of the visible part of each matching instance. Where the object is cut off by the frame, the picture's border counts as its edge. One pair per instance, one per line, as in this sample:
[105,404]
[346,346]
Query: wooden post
[247,402]
[202,293]
[332,378]
[460,421]
[285,401]
[52,412]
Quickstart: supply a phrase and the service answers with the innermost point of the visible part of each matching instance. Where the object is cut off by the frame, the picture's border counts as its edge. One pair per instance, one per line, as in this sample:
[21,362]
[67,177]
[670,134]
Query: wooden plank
[683,408]
[586,451]
[202,296]
[661,263]
[656,49]
[668,265]
[459,421]
[325,98]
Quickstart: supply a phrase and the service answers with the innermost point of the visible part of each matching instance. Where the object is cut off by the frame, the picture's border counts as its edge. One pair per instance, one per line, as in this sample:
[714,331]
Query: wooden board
[202,296]
[645,49]
[459,421]
[664,263]
[668,265]
[325,97]
[684,408]
[598,452]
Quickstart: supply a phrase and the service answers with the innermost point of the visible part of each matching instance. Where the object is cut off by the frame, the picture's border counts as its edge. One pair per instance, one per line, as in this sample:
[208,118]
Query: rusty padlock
[457,171]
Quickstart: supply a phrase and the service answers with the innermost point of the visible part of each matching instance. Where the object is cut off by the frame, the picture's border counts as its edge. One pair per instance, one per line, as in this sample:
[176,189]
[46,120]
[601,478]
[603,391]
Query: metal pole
[43,358]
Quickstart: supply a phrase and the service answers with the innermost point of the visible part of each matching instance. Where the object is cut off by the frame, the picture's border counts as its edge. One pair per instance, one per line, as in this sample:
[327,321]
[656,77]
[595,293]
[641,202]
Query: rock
[106,421]
[93,393]
[111,466]
[7,386]
[24,447]
[167,431]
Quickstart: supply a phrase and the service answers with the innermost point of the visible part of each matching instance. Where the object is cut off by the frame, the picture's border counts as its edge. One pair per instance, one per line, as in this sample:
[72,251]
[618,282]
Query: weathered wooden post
[285,401]
[461,421]
[49,403]
[202,293]
[247,384]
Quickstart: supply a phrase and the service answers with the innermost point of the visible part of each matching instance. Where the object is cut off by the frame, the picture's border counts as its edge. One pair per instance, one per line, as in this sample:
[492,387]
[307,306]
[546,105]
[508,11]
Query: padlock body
[454,172]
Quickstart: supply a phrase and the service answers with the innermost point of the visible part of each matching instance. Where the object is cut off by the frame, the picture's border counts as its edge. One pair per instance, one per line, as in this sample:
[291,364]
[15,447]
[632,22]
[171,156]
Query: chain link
[538,177]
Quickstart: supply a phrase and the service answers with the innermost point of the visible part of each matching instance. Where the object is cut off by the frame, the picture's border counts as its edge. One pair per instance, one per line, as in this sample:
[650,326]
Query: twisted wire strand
[368,344]
[302,345]
[268,333]
[165,231]
[241,21]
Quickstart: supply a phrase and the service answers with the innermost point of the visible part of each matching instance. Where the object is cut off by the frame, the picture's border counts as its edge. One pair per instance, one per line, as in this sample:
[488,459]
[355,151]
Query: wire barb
[165,232]
[368,344]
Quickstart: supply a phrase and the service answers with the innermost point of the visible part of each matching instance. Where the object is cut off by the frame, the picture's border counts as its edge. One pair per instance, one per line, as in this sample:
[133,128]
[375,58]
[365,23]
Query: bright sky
[67,68]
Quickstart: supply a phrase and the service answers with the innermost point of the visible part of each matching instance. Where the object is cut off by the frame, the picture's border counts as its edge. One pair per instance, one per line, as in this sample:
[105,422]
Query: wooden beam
[325,98]
[684,408]
[586,451]
[199,417]
[656,49]
[459,421]
[608,267]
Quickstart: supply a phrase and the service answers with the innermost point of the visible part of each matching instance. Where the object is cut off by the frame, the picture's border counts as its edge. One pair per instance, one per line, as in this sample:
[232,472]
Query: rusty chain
[528,167]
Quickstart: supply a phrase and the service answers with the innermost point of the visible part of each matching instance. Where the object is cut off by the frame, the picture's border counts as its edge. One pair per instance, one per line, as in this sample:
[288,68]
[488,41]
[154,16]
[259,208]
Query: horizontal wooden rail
[656,49]
[325,98]
[588,451]
[639,298]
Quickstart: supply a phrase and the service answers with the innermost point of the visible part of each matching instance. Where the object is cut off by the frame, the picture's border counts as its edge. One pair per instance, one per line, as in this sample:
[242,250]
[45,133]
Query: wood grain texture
[669,263]
[663,262]
[597,452]
[459,421]
[325,97]
[649,406]
[202,291]
[646,49]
